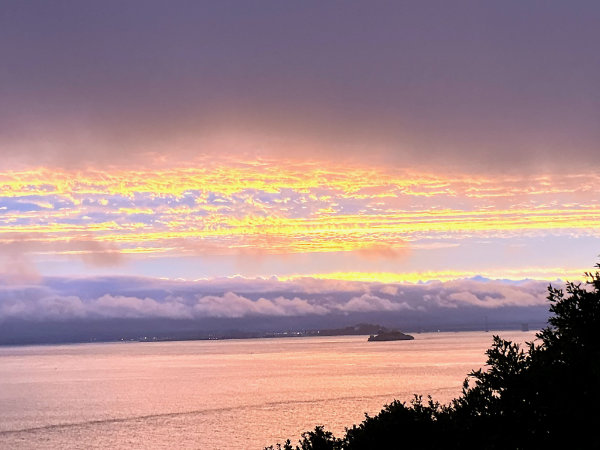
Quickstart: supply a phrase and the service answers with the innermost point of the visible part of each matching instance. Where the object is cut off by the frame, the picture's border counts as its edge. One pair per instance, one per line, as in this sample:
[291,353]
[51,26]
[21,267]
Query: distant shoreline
[279,335]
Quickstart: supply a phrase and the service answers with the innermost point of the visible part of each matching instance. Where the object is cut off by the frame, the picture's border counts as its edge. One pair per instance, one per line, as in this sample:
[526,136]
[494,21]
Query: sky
[382,144]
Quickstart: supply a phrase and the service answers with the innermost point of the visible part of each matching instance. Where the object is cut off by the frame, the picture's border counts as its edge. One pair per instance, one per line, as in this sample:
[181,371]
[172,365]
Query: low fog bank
[114,308]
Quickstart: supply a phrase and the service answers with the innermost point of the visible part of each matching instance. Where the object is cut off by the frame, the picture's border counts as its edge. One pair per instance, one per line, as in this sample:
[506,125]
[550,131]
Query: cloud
[415,87]
[231,305]
[99,254]
[142,298]
[15,261]
[71,307]
[228,305]
[378,250]
[258,211]
[372,303]
[389,290]
[18,250]
[494,295]
[133,307]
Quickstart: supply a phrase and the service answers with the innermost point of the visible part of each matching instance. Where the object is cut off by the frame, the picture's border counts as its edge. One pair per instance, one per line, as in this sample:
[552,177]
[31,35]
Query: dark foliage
[544,396]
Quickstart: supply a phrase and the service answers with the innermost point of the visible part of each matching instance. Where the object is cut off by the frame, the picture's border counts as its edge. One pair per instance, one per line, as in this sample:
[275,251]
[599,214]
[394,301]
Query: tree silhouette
[545,396]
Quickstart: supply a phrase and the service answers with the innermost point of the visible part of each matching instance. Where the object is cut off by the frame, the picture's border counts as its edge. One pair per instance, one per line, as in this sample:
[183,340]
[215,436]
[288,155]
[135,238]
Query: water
[219,394]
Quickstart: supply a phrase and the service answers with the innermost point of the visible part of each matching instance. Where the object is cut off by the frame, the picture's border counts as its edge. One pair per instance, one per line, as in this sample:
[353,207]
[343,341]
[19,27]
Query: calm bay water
[220,394]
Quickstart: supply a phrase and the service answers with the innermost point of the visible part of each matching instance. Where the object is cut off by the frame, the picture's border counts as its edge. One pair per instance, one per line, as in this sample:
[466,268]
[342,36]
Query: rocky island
[391,336]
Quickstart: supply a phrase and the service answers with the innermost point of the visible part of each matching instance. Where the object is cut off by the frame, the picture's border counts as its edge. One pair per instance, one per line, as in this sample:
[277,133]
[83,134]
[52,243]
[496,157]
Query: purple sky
[477,83]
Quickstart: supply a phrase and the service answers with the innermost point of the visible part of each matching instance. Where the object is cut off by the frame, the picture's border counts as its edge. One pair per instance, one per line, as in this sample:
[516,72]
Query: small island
[391,336]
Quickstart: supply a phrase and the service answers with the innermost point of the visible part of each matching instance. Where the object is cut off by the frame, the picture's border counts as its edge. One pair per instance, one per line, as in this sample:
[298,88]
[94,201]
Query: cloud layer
[494,85]
[62,300]
[267,207]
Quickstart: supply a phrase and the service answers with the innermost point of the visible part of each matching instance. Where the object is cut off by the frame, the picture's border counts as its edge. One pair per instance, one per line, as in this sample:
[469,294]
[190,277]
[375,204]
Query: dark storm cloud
[494,84]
